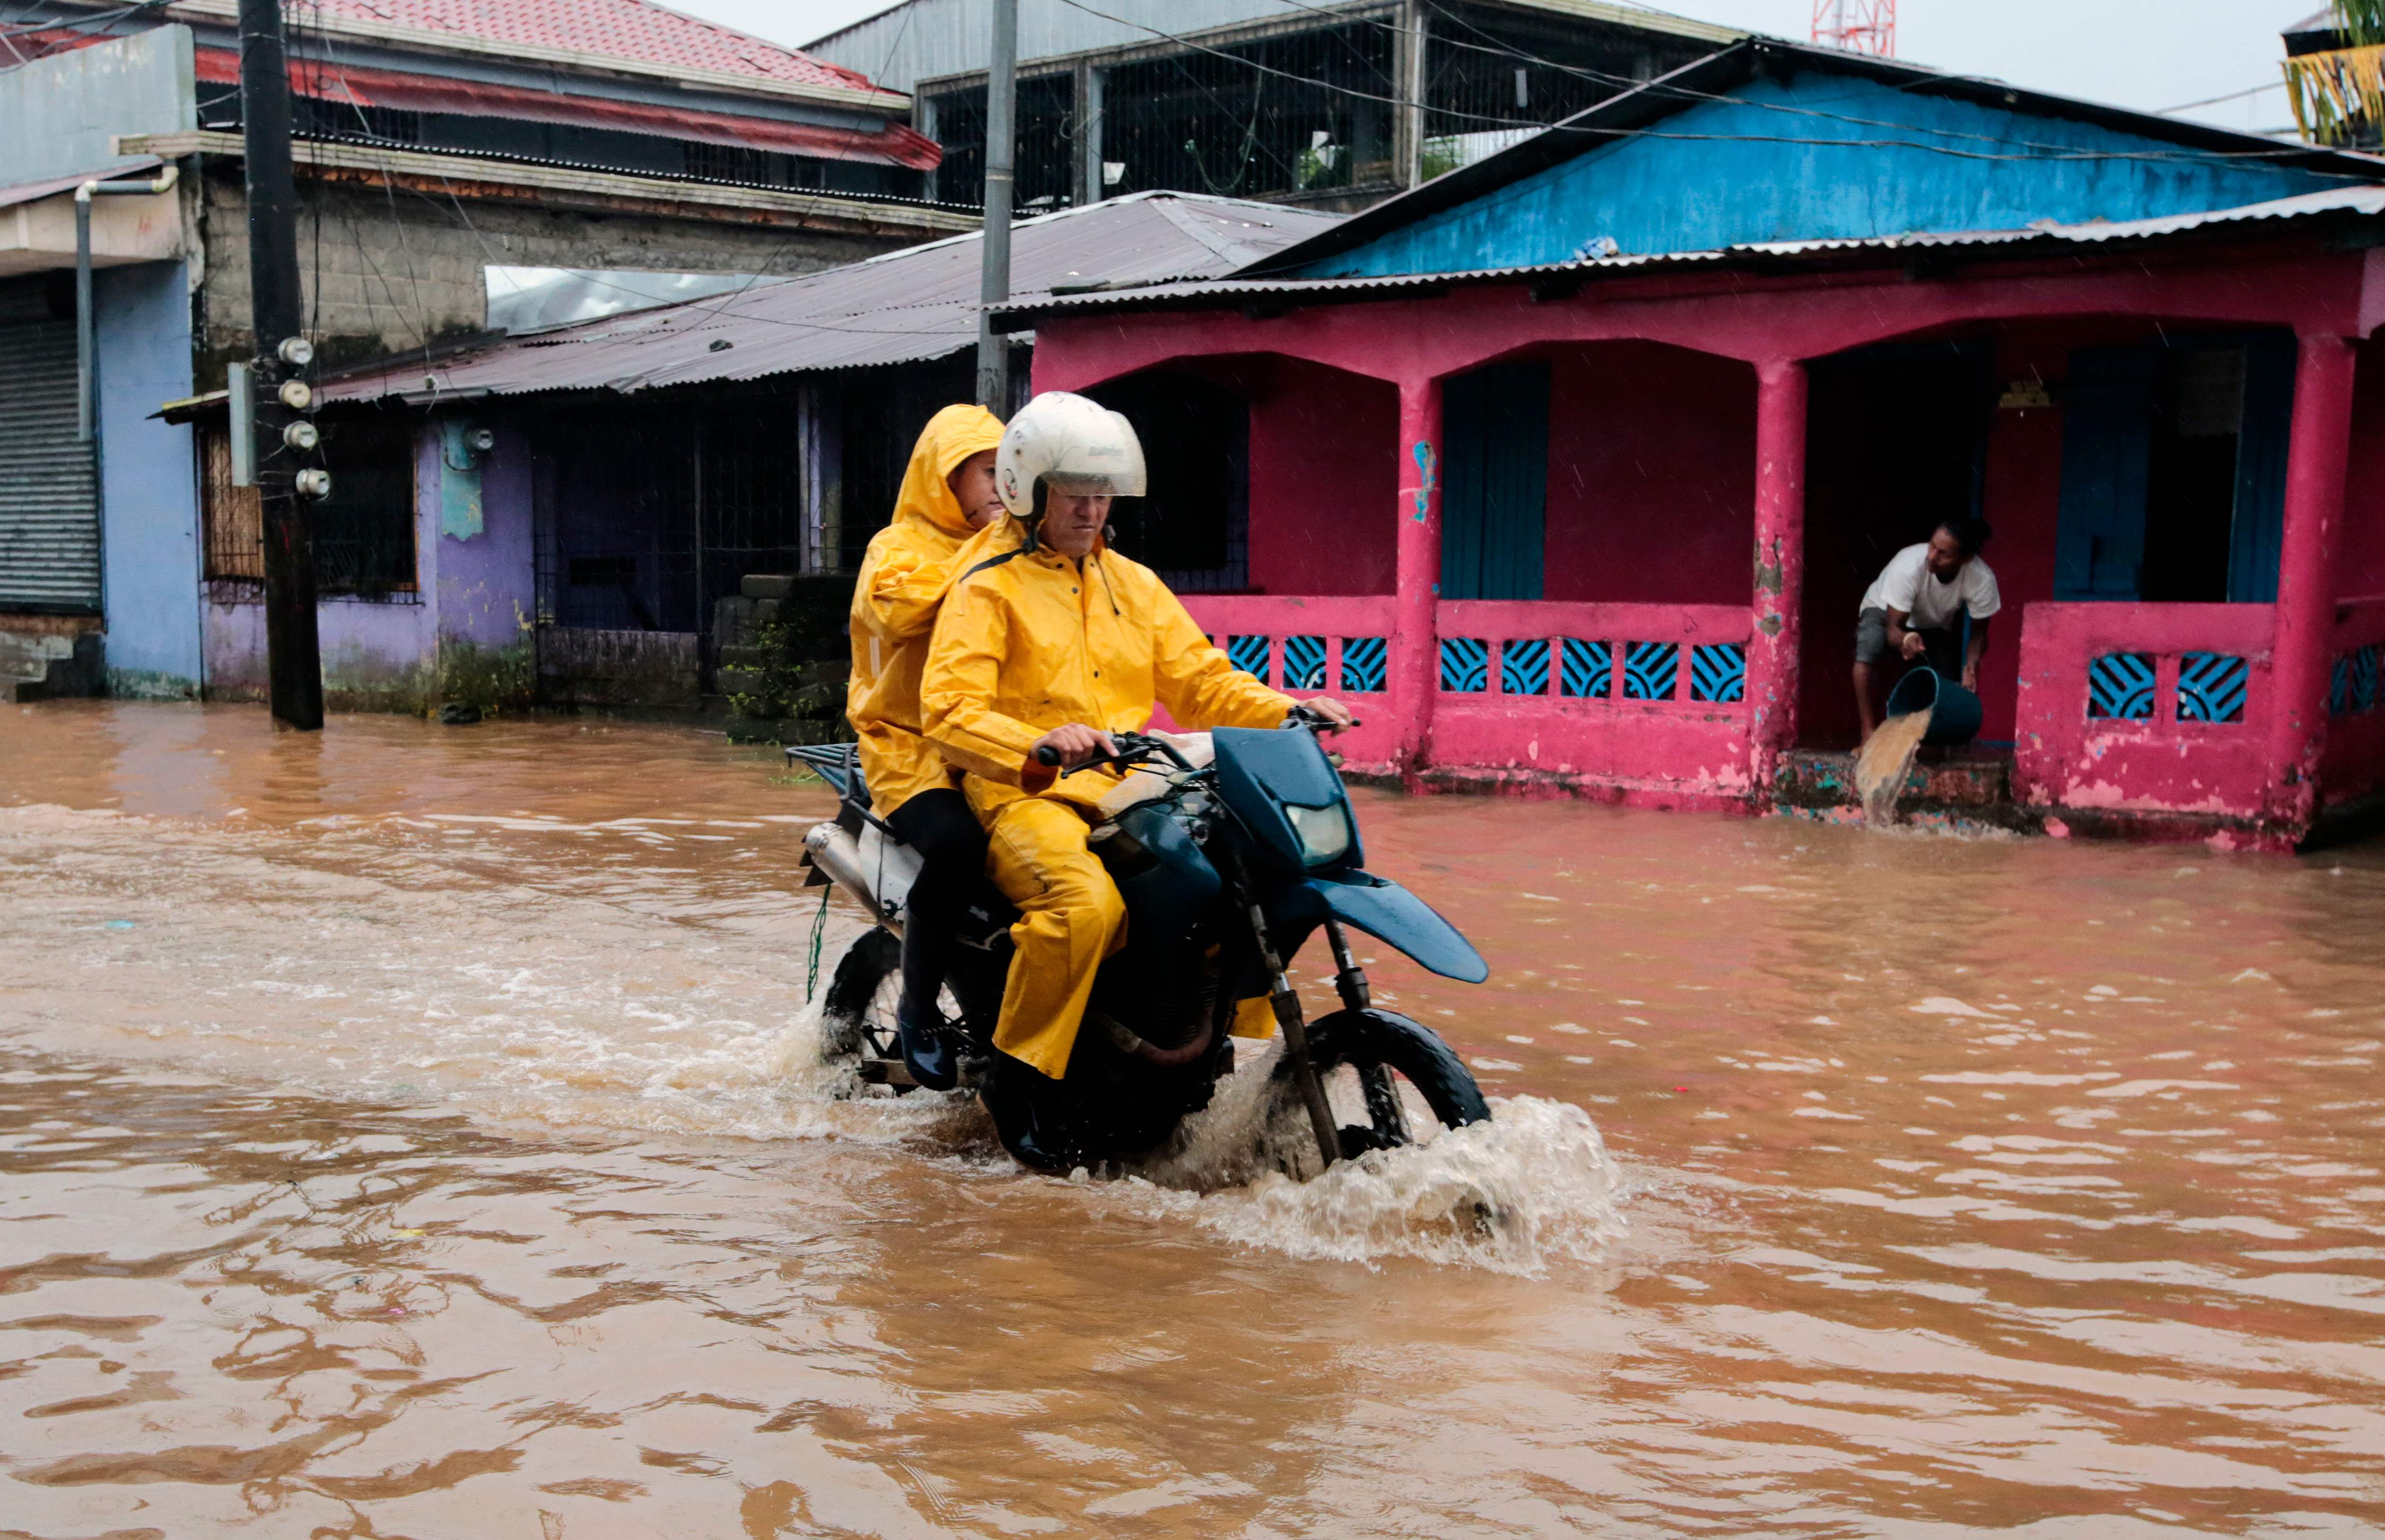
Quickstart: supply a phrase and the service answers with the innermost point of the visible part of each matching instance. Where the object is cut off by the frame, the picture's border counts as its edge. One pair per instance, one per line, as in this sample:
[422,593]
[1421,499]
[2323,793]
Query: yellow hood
[901,583]
[950,437]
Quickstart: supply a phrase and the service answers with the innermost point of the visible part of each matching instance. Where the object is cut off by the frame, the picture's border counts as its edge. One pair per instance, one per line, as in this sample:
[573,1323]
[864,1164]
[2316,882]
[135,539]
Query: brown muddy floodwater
[412,1132]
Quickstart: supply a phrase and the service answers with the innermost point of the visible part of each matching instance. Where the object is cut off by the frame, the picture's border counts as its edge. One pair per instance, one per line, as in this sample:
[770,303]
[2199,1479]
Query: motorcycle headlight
[1324,832]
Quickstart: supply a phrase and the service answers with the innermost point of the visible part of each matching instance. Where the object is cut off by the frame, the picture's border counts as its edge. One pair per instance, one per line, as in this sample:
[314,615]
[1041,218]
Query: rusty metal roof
[906,306]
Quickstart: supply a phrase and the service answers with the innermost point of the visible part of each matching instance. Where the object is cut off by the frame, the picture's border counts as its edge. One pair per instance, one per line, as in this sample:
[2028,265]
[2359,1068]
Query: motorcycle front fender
[1390,913]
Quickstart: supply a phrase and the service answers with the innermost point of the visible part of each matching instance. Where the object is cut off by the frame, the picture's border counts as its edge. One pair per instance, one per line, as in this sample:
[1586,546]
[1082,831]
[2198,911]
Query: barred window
[364,532]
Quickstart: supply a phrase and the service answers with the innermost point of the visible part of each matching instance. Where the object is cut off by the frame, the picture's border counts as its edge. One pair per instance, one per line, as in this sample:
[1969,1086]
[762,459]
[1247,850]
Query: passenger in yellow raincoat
[1057,643]
[947,495]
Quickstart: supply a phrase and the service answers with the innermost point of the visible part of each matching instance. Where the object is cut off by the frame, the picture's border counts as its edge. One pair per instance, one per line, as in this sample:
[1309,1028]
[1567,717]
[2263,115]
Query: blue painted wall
[149,501]
[1724,173]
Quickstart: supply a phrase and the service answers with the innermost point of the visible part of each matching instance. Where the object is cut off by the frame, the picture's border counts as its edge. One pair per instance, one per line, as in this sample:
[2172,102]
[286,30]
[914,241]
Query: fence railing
[1689,655]
[1647,695]
[2158,706]
[1328,644]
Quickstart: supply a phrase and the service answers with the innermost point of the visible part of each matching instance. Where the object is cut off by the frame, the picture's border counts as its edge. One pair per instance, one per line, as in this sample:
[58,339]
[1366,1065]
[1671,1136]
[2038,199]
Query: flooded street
[415,1131]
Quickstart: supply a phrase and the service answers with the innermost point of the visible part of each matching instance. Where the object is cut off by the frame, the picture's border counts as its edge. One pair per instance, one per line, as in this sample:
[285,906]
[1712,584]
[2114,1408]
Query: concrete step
[1970,777]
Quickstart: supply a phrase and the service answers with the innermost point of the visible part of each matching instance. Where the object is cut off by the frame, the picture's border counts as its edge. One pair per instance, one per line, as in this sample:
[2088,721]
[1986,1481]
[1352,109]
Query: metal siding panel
[49,504]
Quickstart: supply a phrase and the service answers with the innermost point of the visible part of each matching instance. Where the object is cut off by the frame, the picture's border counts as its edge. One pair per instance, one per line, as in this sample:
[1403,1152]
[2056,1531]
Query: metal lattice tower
[1858,26]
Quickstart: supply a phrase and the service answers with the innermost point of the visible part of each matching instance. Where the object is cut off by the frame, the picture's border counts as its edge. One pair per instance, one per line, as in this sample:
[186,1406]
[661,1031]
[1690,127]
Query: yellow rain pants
[910,564]
[1026,643]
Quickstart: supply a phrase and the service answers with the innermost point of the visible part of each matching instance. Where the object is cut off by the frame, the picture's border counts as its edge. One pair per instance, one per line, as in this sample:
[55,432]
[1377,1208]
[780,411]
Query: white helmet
[1079,447]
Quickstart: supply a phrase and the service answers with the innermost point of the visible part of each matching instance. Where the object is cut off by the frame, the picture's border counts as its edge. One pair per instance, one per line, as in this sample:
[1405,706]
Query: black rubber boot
[1013,1100]
[925,1052]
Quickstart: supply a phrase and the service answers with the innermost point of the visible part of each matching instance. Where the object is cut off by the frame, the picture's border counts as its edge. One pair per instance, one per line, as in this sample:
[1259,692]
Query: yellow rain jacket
[910,564]
[1027,641]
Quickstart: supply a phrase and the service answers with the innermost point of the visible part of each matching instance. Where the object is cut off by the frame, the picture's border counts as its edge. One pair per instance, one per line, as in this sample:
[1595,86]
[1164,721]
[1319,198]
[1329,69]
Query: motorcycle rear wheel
[857,1014]
[1384,1048]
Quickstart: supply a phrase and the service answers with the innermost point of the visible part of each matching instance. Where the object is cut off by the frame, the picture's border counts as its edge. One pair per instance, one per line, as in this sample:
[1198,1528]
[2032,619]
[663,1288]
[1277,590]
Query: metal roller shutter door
[49,501]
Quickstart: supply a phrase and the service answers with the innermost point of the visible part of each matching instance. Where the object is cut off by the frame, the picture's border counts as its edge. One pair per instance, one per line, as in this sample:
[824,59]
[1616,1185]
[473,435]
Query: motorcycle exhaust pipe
[836,852]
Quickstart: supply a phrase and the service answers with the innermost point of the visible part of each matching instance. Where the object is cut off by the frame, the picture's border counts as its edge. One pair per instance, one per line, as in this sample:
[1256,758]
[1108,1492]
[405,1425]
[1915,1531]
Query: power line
[2051,151]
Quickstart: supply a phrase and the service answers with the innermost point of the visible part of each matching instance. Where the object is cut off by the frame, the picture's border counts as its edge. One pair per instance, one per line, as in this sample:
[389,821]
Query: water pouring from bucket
[1924,708]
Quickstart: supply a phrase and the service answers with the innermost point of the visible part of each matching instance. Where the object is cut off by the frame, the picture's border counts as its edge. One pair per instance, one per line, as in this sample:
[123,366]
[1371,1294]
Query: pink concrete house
[1571,466]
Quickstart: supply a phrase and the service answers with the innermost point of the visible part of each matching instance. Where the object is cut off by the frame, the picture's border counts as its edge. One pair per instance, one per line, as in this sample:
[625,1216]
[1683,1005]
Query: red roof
[625,29]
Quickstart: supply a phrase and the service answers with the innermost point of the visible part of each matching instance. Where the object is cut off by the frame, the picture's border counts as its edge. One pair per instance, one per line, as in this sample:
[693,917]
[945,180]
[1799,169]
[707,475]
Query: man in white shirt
[1913,611]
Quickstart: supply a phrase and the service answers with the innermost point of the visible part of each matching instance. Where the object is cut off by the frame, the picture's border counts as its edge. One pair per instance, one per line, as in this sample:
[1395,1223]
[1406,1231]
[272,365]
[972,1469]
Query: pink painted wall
[2022,501]
[1324,480]
[1652,475]
[2039,309]
[2360,568]
[2066,759]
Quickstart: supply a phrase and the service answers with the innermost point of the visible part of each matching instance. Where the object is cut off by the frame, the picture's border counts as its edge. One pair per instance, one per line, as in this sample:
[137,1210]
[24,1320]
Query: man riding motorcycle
[1053,643]
[947,496]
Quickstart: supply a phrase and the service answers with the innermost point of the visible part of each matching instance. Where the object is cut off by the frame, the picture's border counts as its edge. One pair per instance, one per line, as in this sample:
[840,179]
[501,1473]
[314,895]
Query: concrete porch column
[1414,638]
[2315,461]
[1772,659]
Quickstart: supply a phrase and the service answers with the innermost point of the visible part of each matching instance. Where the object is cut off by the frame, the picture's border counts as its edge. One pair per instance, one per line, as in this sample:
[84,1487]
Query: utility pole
[1001,146]
[287,480]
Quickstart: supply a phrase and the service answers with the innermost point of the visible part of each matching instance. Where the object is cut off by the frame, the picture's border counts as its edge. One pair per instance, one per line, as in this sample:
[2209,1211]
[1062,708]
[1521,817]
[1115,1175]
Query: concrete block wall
[395,269]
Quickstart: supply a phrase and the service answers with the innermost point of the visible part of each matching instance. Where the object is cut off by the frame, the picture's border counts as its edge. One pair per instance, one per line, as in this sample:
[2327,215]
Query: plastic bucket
[1954,713]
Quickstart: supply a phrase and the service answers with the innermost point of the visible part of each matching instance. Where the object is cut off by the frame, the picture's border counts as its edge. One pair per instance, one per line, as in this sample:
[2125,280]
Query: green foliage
[2362,22]
[494,679]
[785,693]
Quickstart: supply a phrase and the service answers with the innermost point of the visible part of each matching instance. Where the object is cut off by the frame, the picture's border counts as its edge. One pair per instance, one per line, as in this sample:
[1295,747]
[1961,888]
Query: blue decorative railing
[1718,671]
[1364,664]
[1248,654]
[2120,686]
[1651,669]
[1524,668]
[2353,684]
[1588,668]
[1303,663]
[1464,665]
[2212,687]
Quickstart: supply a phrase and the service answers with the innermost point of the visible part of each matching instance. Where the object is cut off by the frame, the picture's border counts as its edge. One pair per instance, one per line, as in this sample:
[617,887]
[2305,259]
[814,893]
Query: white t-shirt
[1906,583]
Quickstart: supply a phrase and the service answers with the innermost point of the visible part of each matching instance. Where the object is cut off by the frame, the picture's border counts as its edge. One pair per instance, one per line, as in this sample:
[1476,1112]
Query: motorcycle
[1231,850]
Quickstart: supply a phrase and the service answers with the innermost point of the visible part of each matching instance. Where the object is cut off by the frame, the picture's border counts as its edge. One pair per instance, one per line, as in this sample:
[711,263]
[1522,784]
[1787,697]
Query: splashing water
[1886,760]
[1534,1185]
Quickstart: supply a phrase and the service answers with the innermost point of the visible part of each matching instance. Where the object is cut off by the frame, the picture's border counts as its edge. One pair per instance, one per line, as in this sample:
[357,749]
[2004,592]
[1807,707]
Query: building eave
[608,192]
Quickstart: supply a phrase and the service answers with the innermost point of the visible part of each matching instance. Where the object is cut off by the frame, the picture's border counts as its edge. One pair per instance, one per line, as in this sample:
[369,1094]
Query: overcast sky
[2149,54]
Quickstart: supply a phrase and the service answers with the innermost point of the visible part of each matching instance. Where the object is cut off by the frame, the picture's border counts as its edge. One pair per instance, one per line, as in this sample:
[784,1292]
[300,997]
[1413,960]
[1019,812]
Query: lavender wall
[478,590]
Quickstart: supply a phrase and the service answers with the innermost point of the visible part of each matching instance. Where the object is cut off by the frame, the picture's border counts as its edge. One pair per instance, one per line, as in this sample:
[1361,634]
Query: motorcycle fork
[1383,1107]
[1285,1002]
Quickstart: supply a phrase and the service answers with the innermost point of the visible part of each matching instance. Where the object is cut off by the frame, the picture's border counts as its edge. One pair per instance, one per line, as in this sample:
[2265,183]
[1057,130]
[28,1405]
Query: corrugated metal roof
[921,40]
[906,306]
[2360,201]
[624,29]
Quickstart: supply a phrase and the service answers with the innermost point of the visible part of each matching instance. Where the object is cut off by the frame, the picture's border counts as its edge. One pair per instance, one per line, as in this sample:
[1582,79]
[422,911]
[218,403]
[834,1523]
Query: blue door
[2261,470]
[2107,438]
[1494,466]
[2173,470]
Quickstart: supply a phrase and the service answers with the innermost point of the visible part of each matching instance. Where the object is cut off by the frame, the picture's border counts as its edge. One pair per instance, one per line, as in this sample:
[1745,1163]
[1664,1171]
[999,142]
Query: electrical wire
[2052,153]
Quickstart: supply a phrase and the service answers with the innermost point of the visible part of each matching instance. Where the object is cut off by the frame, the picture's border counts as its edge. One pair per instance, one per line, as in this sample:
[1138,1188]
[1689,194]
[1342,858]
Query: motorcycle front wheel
[1385,1051]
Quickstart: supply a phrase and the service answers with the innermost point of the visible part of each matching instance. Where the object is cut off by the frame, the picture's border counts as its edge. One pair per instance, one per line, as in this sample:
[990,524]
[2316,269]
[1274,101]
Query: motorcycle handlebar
[1134,748]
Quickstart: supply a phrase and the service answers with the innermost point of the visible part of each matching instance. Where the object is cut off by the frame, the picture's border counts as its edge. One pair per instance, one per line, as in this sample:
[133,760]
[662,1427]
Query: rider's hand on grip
[1074,746]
